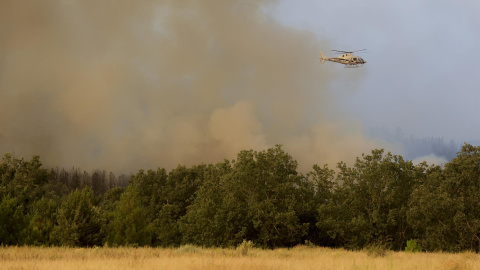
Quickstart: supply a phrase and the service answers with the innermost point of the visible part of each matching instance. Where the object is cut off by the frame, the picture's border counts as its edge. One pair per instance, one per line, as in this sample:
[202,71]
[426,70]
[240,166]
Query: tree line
[260,196]
[414,147]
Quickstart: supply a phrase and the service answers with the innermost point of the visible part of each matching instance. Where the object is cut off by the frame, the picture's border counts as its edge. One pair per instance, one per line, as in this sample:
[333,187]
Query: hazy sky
[423,70]
[124,85]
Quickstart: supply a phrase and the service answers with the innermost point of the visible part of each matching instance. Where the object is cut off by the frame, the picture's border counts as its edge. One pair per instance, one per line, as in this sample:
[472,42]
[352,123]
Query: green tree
[258,197]
[147,186]
[12,221]
[22,179]
[131,224]
[444,209]
[135,212]
[22,183]
[175,195]
[41,222]
[319,188]
[205,222]
[271,185]
[108,206]
[370,202]
[79,220]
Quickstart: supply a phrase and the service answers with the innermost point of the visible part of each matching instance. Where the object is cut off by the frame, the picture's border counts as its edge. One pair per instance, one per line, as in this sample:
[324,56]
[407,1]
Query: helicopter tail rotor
[323,58]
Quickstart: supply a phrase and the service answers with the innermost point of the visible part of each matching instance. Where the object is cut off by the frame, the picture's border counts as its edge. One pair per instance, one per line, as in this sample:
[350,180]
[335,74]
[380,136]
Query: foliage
[245,247]
[78,220]
[369,202]
[413,246]
[214,219]
[376,250]
[22,183]
[108,206]
[258,199]
[444,210]
[42,220]
[188,249]
[131,224]
[12,221]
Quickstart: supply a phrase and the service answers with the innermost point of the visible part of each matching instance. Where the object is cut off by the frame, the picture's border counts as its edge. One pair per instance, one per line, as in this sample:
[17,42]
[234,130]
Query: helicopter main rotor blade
[349,52]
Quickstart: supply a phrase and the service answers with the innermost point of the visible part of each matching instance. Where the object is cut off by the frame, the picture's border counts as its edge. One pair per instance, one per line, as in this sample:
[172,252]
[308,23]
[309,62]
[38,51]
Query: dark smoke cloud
[123,85]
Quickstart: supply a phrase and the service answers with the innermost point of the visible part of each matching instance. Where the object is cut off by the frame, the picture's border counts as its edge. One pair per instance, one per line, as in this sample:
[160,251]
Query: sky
[423,70]
[122,86]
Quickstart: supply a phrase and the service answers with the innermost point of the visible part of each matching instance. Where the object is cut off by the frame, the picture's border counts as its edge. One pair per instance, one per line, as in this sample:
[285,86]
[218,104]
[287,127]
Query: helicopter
[347,58]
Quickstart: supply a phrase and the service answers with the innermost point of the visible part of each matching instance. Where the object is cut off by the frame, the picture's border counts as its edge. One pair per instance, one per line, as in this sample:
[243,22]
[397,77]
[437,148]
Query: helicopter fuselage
[348,59]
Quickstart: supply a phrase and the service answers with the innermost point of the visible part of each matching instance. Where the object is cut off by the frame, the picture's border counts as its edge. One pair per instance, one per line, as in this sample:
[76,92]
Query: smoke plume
[124,85]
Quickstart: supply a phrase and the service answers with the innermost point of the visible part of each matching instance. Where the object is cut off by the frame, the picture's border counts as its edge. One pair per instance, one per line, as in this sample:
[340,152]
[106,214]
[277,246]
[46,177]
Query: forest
[260,196]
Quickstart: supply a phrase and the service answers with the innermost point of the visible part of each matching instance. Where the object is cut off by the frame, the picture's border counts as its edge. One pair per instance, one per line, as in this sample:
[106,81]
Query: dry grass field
[190,257]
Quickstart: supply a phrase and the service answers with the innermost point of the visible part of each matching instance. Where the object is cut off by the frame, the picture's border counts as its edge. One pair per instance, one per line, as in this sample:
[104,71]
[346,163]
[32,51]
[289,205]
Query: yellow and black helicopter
[347,58]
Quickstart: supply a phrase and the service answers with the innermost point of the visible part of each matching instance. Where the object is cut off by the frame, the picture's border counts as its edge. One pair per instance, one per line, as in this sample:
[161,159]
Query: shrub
[244,247]
[376,250]
[413,246]
[188,249]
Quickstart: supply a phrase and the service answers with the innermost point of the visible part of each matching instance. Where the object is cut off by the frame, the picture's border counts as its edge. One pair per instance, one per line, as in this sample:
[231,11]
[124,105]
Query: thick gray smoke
[124,85]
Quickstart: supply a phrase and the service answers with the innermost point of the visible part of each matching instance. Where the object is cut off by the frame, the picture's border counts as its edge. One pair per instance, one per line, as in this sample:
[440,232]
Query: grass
[191,257]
